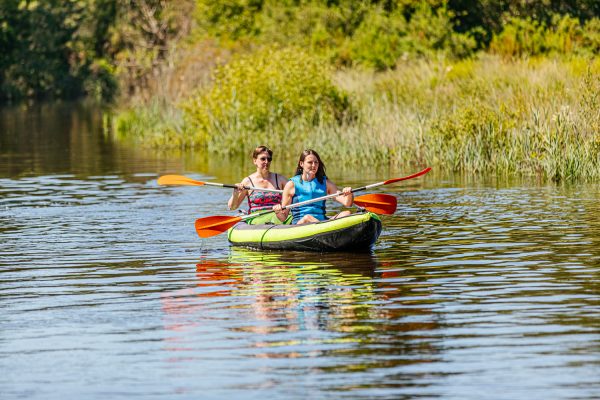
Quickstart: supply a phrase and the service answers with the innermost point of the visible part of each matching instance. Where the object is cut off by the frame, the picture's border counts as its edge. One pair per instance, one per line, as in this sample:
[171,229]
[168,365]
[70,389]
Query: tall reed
[535,116]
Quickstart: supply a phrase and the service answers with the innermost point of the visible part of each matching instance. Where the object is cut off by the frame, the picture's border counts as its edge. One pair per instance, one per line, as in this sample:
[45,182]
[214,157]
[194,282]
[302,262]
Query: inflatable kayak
[356,233]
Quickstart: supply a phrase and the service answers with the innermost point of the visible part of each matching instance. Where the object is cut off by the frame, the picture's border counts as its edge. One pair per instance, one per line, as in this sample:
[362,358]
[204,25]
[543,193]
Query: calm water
[476,289]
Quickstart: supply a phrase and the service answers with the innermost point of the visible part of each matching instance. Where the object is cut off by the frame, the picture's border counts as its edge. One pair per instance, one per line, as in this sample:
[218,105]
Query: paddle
[377,203]
[426,170]
[216,224]
[184,180]
[211,226]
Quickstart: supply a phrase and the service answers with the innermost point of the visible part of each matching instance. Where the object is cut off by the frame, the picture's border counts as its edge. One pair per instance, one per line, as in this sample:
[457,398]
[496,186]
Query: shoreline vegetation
[505,88]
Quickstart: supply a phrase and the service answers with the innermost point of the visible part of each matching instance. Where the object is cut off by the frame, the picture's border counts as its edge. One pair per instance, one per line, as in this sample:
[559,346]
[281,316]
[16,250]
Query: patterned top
[258,200]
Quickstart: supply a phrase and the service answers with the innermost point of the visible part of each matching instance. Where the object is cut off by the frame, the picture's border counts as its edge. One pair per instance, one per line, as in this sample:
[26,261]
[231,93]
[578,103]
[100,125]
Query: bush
[155,124]
[269,88]
[380,40]
[591,36]
[101,83]
[384,37]
[564,35]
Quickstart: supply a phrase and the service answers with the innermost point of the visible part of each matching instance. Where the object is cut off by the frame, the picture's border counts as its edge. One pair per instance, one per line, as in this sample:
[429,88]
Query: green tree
[488,17]
[51,48]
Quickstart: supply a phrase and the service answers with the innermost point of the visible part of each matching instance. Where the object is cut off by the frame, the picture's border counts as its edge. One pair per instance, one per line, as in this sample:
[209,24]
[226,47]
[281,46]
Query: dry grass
[530,116]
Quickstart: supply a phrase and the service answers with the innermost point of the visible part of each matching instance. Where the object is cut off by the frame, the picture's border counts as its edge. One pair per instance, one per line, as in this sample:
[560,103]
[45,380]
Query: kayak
[355,233]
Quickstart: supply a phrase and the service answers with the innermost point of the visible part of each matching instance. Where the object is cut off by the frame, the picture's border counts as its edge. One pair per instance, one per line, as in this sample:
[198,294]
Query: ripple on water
[469,291]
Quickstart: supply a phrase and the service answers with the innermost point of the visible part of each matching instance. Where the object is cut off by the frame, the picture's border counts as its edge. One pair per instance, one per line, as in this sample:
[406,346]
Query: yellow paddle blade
[178,180]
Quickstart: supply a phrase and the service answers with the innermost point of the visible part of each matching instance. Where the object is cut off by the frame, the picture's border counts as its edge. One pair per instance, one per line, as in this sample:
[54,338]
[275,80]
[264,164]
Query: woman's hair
[261,149]
[320,171]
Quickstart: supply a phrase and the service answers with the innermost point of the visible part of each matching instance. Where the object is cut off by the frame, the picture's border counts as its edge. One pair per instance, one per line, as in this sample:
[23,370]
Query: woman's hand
[281,212]
[237,196]
[345,197]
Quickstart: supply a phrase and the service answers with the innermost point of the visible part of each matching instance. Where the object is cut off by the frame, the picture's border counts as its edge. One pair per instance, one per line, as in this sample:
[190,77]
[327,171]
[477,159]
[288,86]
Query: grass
[532,116]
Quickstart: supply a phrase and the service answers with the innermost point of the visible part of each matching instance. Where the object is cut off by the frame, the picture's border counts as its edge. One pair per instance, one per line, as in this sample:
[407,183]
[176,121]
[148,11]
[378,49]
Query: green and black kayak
[356,233]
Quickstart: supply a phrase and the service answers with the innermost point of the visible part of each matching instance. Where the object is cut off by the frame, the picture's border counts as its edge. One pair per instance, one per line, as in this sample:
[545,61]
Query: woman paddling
[262,178]
[310,182]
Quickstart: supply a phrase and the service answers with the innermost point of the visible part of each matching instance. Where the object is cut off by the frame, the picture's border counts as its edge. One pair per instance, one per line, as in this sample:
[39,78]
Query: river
[479,287]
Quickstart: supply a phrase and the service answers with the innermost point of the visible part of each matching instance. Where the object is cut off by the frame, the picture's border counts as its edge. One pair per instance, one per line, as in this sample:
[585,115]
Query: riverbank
[536,116]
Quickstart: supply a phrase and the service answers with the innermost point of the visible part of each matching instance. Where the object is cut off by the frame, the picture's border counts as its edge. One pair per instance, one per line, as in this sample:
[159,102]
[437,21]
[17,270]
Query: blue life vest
[308,190]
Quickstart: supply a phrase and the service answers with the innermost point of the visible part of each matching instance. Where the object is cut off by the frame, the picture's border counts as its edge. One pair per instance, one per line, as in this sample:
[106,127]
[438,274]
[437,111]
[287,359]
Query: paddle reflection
[295,291]
[289,291]
[305,305]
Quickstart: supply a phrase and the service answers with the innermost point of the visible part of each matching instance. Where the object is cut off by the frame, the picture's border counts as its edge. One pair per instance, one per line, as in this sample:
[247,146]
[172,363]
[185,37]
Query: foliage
[69,48]
[488,17]
[564,35]
[156,124]
[374,33]
[49,48]
[380,40]
[591,36]
[228,18]
[143,38]
[379,33]
[98,48]
[269,88]
[383,38]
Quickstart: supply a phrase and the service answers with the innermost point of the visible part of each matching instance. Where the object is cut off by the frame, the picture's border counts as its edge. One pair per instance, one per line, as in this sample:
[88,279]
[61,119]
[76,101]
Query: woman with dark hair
[262,178]
[310,182]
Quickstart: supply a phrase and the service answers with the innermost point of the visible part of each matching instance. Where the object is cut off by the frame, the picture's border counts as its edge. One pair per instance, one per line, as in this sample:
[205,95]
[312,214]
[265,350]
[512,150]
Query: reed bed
[535,116]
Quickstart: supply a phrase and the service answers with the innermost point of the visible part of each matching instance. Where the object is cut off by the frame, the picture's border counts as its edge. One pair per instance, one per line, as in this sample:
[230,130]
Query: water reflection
[68,138]
[339,307]
[303,290]
[474,285]
[299,292]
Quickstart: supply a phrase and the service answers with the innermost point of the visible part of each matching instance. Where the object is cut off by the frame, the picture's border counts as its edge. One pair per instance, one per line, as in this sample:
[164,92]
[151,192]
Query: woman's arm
[286,199]
[238,195]
[346,198]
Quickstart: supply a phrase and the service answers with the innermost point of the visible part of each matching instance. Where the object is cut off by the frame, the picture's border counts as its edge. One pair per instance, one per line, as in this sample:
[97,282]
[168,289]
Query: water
[477,288]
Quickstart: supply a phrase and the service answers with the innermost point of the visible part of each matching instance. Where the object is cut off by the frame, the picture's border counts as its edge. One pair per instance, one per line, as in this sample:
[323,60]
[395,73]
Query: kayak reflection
[290,305]
[304,290]
[347,263]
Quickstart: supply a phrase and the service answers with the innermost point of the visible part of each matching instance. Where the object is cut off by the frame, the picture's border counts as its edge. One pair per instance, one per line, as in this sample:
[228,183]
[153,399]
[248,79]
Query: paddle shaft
[210,226]
[329,196]
[294,205]
[184,180]
[373,185]
[245,187]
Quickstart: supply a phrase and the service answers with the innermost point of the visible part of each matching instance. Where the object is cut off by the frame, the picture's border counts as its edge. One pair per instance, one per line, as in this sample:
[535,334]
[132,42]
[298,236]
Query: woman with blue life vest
[310,182]
[262,178]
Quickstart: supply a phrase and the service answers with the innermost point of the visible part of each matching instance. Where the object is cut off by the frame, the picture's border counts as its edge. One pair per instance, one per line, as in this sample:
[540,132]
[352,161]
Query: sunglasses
[265,159]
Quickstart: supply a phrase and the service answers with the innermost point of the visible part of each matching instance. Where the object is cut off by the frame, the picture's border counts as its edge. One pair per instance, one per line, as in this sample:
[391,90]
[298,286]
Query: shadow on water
[67,138]
[75,139]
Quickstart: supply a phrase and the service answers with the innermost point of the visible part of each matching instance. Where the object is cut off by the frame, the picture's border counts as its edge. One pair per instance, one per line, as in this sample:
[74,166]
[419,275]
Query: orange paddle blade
[212,226]
[377,203]
[178,180]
